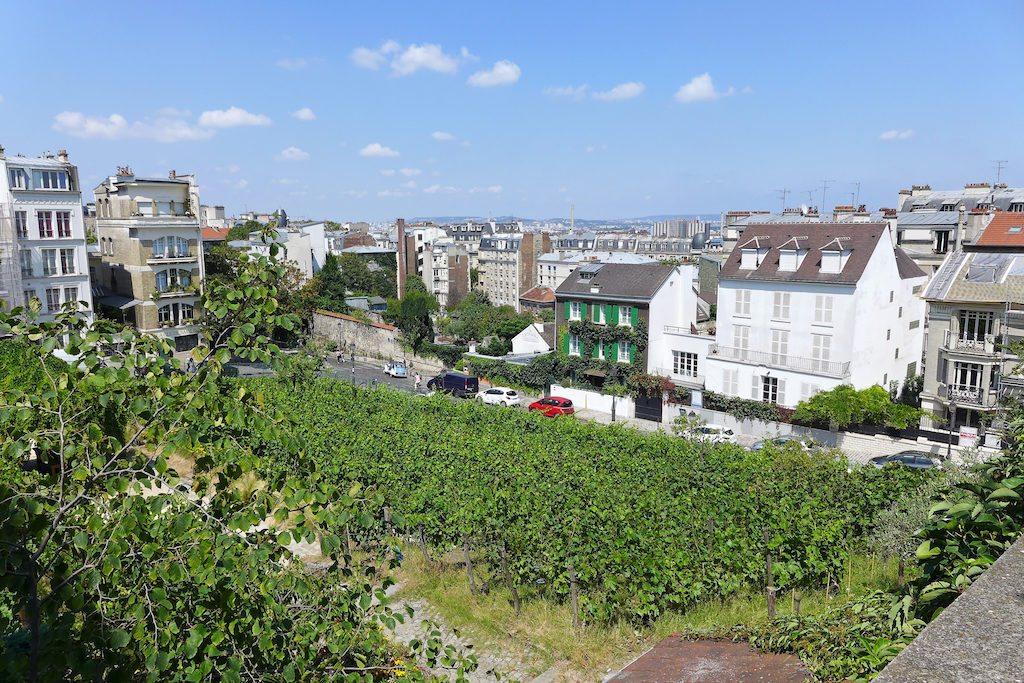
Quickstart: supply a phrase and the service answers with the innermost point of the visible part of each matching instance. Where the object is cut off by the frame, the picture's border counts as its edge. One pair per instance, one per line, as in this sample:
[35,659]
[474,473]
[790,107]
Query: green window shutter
[565,342]
[632,350]
[583,311]
[568,310]
[634,315]
[615,315]
[608,313]
[615,352]
[597,348]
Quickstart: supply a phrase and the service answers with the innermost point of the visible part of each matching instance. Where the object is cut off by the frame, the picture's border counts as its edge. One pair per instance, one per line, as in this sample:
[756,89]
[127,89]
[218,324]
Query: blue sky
[624,109]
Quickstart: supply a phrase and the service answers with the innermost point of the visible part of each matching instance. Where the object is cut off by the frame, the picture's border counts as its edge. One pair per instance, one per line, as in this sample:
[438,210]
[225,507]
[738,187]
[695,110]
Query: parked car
[713,433]
[499,396]
[781,441]
[455,383]
[552,406]
[396,369]
[919,460]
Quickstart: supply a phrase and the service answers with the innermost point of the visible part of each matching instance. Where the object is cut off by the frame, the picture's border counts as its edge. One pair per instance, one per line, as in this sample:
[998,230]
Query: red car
[552,406]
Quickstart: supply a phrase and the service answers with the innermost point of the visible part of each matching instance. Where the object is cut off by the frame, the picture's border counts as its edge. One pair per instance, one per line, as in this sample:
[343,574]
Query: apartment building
[975,311]
[150,264]
[43,252]
[508,265]
[301,245]
[805,307]
[679,227]
[446,271]
[413,247]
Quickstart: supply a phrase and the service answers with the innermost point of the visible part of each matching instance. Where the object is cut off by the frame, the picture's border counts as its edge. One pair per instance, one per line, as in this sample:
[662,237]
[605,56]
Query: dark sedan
[918,460]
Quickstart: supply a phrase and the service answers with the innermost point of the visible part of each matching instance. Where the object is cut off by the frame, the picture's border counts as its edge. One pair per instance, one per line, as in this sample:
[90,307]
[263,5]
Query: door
[649,408]
[186,342]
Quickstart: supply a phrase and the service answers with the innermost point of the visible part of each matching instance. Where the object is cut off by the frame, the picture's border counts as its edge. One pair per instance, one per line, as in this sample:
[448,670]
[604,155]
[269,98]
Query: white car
[712,433]
[499,396]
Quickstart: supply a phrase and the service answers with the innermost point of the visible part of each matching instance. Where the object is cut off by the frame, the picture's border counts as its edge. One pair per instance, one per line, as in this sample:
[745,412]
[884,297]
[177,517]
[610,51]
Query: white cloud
[358,194]
[441,135]
[286,181]
[576,92]
[375,149]
[623,91]
[242,184]
[426,56]
[231,117]
[392,193]
[409,172]
[410,184]
[495,189]
[374,59]
[172,112]
[434,189]
[116,127]
[897,134]
[468,56]
[304,114]
[295,64]
[388,172]
[701,88]
[502,73]
[292,154]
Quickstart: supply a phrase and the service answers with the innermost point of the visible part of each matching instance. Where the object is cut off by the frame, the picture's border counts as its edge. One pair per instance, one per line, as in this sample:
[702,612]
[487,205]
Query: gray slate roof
[626,280]
[981,276]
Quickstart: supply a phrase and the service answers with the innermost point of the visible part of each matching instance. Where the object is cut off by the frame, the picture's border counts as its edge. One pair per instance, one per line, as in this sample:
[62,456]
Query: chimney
[2,155]
[961,225]
[174,174]
[62,156]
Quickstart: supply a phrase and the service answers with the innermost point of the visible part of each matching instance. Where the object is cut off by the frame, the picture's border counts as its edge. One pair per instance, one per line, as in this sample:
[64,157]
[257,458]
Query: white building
[303,245]
[554,268]
[508,265]
[446,271]
[42,236]
[803,308]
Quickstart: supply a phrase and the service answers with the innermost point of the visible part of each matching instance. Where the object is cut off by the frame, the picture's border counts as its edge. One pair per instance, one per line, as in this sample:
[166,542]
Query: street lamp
[952,419]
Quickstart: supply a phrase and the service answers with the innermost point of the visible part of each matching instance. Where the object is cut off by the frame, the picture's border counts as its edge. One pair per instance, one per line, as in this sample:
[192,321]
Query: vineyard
[630,525]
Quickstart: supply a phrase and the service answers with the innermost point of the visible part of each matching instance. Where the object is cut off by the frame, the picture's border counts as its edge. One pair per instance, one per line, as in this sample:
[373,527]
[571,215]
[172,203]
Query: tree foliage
[844,406]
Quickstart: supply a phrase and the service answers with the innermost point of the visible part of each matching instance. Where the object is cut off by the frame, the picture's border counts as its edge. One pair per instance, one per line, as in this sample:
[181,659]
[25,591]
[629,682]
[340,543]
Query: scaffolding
[10,282]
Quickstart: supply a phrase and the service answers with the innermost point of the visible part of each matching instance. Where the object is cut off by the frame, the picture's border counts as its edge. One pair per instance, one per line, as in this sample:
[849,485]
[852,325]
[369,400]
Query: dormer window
[750,259]
[791,259]
[833,261]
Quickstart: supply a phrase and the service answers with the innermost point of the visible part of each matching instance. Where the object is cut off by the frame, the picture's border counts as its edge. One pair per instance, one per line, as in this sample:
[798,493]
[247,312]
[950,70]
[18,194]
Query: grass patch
[544,628]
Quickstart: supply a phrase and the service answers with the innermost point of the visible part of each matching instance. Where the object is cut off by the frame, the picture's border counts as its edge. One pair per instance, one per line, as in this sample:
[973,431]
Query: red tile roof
[1006,229]
[544,295]
[215,234]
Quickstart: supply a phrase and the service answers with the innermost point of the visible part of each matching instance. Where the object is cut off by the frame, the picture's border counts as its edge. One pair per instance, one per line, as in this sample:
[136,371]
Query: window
[967,376]
[888,335]
[1016,207]
[52,299]
[821,348]
[186,312]
[741,337]
[50,180]
[976,325]
[63,224]
[897,352]
[770,389]
[623,352]
[71,294]
[743,302]
[823,309]
[684,364]
[170,247]
[18,178]
[780,345]
[49,261]
[912,369]
[574,310]
[599,349]
[781,309]
[731,382]
[29,295]
[901,312]
[599,314]
[67,261]
[941,241]
[165,314]
[625,316]
[574,345]
[21,224]
[891,295]
[45,219]
[173,279]
[26,263]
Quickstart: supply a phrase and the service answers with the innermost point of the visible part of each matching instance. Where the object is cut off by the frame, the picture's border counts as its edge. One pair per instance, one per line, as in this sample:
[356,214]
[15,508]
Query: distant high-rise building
[679,227]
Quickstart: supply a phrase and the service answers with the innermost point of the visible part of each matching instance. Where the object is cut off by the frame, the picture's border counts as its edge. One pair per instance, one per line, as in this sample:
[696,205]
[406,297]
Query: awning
[119,302]
[594,373]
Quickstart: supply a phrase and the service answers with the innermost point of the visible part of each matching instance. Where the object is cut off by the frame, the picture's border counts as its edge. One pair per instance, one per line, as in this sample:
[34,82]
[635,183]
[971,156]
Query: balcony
[967,396]
[986,347]
[178,258]
[811,366]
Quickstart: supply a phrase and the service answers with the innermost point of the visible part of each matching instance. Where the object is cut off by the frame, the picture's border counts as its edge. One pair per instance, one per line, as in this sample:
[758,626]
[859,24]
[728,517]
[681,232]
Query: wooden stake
[423,547]
[469,564]
[508,579]
[574,596]
[796,603]
[770,588]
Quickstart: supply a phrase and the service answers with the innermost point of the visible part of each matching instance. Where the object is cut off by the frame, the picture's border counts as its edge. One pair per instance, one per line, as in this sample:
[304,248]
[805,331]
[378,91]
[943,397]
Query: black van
[456,384]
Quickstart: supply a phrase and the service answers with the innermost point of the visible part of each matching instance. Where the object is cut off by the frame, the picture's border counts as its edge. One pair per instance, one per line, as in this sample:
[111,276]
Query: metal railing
[967,395]
[828,368]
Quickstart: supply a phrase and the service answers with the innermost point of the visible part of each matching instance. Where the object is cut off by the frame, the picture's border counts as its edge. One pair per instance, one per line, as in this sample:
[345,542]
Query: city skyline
[351,113]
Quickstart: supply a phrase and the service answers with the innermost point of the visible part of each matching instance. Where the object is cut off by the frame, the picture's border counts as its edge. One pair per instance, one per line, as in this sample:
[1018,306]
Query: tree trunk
[423,547]
[469,565]
[508,579]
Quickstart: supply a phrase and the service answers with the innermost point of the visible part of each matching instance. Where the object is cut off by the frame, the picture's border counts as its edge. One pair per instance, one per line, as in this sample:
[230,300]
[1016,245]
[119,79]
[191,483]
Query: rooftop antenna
[856,202]
[784,193]
[824,191]
[999,168]
[810,197]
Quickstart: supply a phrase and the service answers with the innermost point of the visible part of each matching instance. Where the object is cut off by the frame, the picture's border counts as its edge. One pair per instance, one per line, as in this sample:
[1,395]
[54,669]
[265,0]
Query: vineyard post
[469,564]
[508,578]
[796,603]
[574,596]
[423,546]
[770,589]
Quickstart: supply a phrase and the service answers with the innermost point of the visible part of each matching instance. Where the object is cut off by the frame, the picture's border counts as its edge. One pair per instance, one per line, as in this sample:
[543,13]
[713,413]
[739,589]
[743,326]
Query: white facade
[673,310]
[303,246]
[42,236]
[530,340]
[782,341]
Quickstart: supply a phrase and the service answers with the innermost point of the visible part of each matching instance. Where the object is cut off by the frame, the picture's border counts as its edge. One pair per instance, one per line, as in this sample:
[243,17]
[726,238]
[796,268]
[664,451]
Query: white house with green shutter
[626,297]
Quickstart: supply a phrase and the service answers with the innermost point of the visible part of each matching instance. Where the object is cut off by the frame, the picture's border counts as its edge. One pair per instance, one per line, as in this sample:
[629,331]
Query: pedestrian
[416,381]
[353,373]
[190,366]
[339,356]
[353,358]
